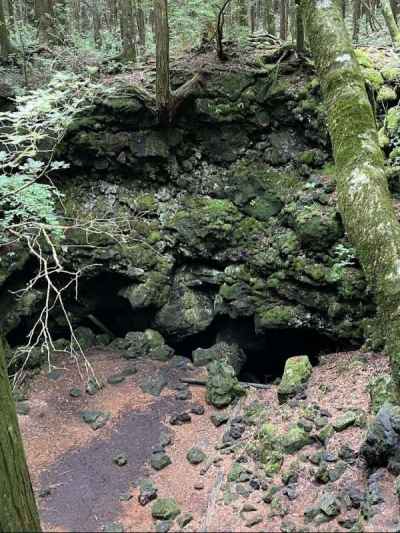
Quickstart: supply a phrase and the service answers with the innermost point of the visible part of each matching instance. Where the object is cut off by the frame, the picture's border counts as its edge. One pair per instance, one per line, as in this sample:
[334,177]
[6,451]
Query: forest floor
[80,488]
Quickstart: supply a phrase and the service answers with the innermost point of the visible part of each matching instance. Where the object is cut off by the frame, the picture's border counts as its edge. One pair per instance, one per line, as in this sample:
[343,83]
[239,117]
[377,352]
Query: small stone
[183,395]
[278,507]
[307,425]
[93,386]
[54,375]
[316,458]
[125,497]
[113,527]
[242,490]
[348,454]
[129,371]
[348,520]
[22,408]
[180,419]
[270,492]
[195,456]
[329,457]
[295,439]
[320,422]
[75,392]
[244,477]
[322,474]
[236,431]
[199,486]
[163,526]
[255,484]
[165,439]
[147,491]
[337,471]
[310,513]
[154,384]
[326,433]
[100,421]
[297,372]
[218,419]
[397,486]
[165,509]
[45,492]
[290,491]
[288,527]
[329,504]
[96,419]
[344,421]
[235,471]
[159,461]
[198,409]
[121,459]
[248,508]
[116,379]
[184,519]
[253,520]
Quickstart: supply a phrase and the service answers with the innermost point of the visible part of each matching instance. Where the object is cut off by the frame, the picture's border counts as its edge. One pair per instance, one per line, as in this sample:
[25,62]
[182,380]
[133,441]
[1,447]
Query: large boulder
[149,343]
[382,443]
[232,353]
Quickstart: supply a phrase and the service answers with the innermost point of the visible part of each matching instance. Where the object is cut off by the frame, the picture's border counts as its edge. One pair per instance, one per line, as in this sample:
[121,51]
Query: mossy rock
[373,77]
[222,384]
[165,509]
[380,390]
[298,371]
[317,227]
[383,139]
[295,439]
[391,73]
[392,120]
[363,58]
[386,94]
[278,316]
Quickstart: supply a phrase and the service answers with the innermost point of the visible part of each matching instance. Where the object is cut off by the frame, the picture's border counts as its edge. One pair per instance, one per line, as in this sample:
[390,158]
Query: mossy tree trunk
[391,22]
[5,43]
[128,31]
[18,511]
[363,195]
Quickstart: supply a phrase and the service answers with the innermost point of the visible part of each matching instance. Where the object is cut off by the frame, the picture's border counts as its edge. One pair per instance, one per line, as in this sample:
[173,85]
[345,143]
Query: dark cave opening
[266,353]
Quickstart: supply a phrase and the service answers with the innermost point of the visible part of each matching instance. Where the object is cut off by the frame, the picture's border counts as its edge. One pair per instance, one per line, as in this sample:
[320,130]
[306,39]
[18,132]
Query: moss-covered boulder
[295,439]
[271,453]
[230,352]
[380,390]
[222,384]
[298,371]
[386,94]
[165,509]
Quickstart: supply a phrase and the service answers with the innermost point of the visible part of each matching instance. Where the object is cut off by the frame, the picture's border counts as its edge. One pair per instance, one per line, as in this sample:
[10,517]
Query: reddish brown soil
[76,463]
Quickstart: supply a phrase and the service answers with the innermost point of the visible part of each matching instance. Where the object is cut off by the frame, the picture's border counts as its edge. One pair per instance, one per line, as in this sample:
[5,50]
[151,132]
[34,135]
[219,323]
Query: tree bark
[96,24]
[283,25]
[5,43]
[356,19]
[18,511]
[391,22]
[163,90]
[300,44]
[363,195]
[128,31]
[141,24]
[269,17]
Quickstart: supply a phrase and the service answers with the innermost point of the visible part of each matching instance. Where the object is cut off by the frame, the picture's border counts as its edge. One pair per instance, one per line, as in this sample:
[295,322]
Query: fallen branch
[203,383]
[220,31]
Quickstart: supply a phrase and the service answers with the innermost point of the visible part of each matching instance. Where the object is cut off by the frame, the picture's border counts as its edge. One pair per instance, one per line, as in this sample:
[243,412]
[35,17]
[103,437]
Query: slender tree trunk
[283,25]
[18,511]
[44,14]
[141,24]
[252,16]
[5,43]
[76,15]
[163,90]
[391,22]
[356,19]
[269,17]
[363,195]
[128,31]
[96,24]
[11,13]
[300,44]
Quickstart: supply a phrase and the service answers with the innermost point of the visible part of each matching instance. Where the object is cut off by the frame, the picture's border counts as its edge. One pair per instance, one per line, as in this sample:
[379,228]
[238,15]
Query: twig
[203,383]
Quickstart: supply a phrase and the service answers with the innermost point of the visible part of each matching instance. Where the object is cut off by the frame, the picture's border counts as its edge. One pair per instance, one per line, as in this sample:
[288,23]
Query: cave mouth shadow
[266,353]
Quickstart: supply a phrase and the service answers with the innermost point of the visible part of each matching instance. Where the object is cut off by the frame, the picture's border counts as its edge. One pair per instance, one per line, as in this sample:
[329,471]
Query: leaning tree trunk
[391,22]
[18,511]
[363,195]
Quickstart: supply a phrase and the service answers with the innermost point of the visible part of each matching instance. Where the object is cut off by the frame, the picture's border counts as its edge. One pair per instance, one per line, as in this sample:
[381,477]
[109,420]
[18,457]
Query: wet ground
[80,488]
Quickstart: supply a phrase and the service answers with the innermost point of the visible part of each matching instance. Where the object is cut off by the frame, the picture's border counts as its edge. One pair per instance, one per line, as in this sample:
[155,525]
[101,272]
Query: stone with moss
[165,509]
[298,371]
[373,77]
[383,138]
[386,94]
[295,439]
[363,58]
[392,120]
[380,390]
[222,384]
[391,73]
[344,421]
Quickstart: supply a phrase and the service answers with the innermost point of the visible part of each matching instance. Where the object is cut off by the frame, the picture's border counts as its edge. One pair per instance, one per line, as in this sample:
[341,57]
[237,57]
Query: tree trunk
[5,43]
[141,24]
[76,15]
[391,22]
[269,17]
[252,16]
[96,24]
[18,511]
[300,45]
[356,19]
[44,14]
[283,26]
[363,195]
[128,31]
[163,91]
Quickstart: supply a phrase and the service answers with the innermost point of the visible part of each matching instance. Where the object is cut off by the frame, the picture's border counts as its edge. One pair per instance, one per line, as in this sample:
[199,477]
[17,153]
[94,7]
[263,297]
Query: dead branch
[220,31]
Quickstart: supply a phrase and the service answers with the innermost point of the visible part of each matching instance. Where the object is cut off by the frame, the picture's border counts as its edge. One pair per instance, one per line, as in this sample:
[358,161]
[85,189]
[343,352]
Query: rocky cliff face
[223,226]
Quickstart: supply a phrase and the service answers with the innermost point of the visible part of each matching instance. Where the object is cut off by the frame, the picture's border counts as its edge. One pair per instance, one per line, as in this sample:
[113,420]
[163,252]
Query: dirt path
[82,488]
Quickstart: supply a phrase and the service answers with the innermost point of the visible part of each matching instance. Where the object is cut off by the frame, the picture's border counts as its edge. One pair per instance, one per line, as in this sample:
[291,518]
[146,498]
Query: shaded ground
[76,463]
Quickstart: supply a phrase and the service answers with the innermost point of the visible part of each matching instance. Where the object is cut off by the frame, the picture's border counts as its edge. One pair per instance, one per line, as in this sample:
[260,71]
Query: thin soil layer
[81,488]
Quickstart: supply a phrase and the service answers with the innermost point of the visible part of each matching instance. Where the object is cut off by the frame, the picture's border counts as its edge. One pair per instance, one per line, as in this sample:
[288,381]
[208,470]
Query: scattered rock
[382,443]
[347,454]
[195,456]
[165,439]
[253,520]
[180,419]
[288,527]
[229,352]
[147,491]
[116,379]
[344,421]
[295,439]
[163,526]
[297,372]
[199,486]
[55,374]
[121,459]
[113,527]
[75,392]
[183,395]
[329,504]
[380,390]
[154,384]
[184,519]
[95,419]
[198,409]
[165,509]
[159,461]
[44,492]
[218,419]
[22,408]
[93,386]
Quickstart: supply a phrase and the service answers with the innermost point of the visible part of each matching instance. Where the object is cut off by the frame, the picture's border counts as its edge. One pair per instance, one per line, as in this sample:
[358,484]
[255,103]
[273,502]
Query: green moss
[278,316]
[380,390]
[392,120]
[295,439]
[386,94]
[391,73]
[363,58]
[383,139]
[373,77]
[298,371]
